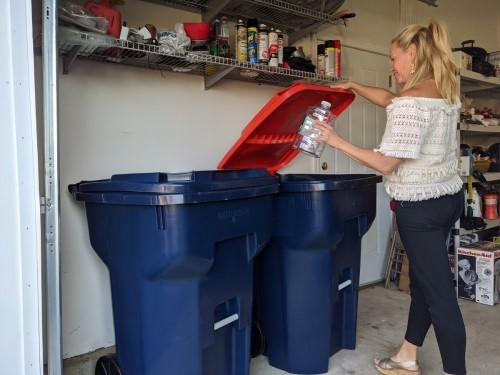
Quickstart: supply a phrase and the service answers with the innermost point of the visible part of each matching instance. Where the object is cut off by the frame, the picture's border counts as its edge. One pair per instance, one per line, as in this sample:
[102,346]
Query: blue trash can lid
[176,188]
[293,183]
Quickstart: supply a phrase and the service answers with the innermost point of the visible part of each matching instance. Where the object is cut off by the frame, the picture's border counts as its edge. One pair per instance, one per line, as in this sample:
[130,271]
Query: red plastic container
[104,9]
[267,141]
[198,30]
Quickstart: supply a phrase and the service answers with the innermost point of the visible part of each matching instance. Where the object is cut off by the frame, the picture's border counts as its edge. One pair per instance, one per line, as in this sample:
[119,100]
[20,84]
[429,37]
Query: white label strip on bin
[225,321]
[344,284]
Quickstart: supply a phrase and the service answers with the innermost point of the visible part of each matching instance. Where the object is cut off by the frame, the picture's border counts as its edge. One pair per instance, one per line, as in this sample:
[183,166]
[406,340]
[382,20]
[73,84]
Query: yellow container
[481,165]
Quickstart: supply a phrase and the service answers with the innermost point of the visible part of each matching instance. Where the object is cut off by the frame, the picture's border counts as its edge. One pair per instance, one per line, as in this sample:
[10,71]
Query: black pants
[424,228]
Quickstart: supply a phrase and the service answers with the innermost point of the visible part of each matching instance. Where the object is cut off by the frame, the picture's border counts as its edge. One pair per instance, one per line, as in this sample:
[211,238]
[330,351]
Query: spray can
[263,44]
[240,36]
[273,48]
[490,210]
[329,58]
[321,60]
[336,45]
[280,48]
[252,32]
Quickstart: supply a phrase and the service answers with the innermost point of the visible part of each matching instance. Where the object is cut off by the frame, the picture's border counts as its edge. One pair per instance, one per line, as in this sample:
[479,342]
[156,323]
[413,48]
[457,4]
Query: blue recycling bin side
[307,277]
[180,250]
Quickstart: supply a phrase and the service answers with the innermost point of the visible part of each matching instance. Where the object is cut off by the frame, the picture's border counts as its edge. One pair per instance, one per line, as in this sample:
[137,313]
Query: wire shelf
[98,47]
[283,15]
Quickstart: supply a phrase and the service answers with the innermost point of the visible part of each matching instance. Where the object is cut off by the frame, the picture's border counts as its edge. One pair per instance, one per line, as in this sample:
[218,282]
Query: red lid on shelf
[267,141]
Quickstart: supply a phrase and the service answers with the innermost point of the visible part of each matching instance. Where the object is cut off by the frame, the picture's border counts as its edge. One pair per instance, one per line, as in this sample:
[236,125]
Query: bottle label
[330,61]
[321,65]
[252,44]
[241,43]
[280,50]
[263,47]
[307,124]
[273,44]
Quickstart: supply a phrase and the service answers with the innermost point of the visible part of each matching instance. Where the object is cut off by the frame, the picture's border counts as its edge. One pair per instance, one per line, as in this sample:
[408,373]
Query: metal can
[241,41]
[321,60]
[252,45]
[330,58]
[338,57]
[280,48]
[273,48]
[263,44]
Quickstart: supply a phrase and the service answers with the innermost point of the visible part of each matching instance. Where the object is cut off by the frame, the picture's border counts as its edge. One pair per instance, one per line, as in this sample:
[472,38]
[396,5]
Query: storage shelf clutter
[295,21]
[79,44]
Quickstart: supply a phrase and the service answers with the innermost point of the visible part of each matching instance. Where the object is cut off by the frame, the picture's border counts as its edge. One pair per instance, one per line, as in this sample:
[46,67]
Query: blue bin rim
[161,188]
[290,183]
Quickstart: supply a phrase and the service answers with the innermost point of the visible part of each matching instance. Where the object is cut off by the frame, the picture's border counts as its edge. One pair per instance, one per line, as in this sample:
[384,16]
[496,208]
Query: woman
[418,156]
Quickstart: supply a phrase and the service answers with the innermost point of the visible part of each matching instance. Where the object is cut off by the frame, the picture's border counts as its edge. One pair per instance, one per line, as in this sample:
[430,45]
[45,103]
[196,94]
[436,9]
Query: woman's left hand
[326,133]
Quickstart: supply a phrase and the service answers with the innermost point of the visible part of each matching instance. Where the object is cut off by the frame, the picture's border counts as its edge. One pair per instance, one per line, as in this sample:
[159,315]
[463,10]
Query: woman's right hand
[347,85]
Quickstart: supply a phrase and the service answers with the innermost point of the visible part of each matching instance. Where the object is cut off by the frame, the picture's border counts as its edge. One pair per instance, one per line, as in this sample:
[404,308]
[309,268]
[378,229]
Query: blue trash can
[307,277]
[180,250]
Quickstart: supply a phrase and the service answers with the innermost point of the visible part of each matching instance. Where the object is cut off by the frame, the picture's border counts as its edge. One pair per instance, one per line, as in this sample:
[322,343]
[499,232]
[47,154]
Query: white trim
[21,348]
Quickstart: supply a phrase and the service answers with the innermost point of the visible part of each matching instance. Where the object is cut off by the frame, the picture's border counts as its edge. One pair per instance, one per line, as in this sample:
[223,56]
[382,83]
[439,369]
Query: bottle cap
[326,104]
[252,22]
[329,44]
[321,49]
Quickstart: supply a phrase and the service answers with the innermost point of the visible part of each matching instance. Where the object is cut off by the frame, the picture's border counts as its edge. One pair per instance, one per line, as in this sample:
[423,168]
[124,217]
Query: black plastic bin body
[180,249]
[307,277]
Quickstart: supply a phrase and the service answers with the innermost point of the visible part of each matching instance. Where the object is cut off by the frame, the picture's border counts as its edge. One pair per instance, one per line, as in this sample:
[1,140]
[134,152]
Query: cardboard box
[479,272]
[463,60]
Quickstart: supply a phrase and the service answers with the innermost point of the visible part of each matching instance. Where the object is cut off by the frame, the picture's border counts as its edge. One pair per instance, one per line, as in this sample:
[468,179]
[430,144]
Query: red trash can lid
[267,141]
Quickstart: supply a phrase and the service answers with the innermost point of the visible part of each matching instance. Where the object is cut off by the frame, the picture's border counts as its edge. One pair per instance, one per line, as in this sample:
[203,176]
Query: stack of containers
[307,277]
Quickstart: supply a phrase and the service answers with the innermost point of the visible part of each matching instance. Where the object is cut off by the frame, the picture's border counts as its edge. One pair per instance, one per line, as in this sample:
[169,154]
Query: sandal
[388,366]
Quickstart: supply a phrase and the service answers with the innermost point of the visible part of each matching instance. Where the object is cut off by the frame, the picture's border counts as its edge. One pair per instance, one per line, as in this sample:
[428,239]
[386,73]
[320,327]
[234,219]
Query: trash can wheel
[107,365]
[258,344]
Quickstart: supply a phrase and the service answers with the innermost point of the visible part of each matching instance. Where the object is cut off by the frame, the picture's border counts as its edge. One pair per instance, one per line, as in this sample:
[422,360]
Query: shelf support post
[51,164]
[70,57]
[212,79]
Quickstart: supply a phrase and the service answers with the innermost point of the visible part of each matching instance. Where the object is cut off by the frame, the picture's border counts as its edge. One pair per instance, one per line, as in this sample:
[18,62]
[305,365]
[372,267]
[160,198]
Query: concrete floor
[382,315]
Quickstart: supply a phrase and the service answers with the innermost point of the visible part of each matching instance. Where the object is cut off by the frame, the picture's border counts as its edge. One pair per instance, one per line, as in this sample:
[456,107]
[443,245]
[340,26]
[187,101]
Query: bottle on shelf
[223,38]
[216,30]
[280,48]
[273,48]
[263,44]
[252,40]
[305,140]
[240,38]
[490,210]
[321,60]
[330,58]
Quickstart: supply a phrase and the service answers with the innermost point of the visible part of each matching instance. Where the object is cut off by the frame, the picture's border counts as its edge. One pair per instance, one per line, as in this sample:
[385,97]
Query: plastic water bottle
[305,140]
[223,38]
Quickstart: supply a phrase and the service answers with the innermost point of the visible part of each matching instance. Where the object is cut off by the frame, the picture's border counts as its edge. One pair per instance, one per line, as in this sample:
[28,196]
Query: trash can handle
[344,284]
[225,321]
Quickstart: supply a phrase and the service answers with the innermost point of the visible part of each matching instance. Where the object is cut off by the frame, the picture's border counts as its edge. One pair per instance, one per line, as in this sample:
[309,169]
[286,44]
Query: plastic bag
[174,42]
[79,16]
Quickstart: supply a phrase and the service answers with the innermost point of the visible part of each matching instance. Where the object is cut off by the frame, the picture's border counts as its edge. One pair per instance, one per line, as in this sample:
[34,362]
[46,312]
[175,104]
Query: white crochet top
[423,132]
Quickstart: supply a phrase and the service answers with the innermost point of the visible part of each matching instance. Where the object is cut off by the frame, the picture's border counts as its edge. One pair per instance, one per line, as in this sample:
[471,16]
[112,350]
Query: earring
[412,69]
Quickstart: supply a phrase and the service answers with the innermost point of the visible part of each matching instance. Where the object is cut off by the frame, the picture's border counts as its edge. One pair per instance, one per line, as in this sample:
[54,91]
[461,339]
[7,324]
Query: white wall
[119,119]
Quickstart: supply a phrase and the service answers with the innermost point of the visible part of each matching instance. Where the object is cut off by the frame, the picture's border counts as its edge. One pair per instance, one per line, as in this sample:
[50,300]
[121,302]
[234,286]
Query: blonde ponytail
[433,58]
